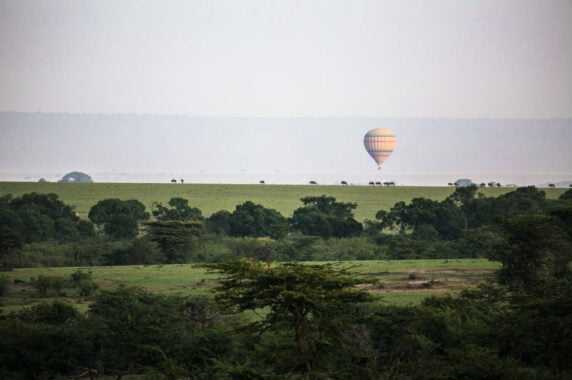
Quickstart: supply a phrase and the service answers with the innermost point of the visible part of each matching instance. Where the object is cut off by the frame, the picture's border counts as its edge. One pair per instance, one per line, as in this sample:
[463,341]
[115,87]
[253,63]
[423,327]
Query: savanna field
[212,198]
[194,281]
[400,281]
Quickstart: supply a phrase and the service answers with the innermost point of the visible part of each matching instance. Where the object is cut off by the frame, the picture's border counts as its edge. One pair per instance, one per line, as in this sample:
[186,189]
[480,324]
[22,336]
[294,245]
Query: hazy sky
[402,58]
[284,149]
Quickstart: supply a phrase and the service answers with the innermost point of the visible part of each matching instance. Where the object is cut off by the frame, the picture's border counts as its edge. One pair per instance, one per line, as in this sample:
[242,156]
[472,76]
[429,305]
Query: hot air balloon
[379,143]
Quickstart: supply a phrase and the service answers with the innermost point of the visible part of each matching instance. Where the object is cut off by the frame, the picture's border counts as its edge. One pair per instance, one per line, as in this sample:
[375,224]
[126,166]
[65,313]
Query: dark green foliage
[36,217]
[534,251]
[45,204]
[135,331]
[179,210]
[4,283]
[324,216]
[566,196]
[425,218]
[43,341]
[309,309]
[45,284]
[116,212]
[121,226]
[254,220]
[301,321]
[176,239]
[51,313]
[85,228]
[133,328]
[84,283]
[141,251]
[219,223]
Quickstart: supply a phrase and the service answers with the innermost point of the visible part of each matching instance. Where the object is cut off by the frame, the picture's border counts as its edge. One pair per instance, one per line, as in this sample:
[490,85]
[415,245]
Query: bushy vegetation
[289,320]
[40,230]
[296,321]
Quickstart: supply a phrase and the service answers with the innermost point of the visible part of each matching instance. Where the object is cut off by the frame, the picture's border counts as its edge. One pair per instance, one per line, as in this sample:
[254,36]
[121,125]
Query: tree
[566,196]
[134,329]
[324,216]
[465,197]
[254,220]
[121,226]
[534,251]
[115,212]
[36,217]
[311,305]
[219,223]
[425,218]
[175,238]
[180,210]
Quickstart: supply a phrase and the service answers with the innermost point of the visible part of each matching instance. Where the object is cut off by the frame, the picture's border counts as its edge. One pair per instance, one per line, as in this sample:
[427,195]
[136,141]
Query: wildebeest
[344,183]
[262,182]
[313,183]
[173,180]
[372,183]
[389,183]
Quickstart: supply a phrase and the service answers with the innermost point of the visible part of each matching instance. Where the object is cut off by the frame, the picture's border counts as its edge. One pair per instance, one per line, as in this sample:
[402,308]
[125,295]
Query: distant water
[357,179]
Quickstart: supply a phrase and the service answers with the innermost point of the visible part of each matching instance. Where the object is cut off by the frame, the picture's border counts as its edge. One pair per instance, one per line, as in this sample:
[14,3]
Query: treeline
[40,230]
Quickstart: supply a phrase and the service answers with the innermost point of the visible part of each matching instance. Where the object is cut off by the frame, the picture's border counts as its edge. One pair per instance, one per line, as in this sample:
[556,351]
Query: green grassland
[215,197]
[399,281]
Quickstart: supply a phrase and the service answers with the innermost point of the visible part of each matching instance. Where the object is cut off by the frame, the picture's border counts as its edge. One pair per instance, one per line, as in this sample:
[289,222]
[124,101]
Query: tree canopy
[119,217]
[324,216]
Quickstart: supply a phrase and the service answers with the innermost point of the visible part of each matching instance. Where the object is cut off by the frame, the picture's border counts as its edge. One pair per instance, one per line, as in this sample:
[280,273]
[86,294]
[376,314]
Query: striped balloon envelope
[379,143]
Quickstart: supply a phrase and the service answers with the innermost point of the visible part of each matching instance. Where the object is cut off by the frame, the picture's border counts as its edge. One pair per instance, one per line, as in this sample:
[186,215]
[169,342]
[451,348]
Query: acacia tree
[310,305]
[175,238]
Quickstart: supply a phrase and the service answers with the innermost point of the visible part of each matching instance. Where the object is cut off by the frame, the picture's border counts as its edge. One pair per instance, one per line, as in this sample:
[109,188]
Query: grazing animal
[313,183]
[262,182]
[372,183]
[173,181]
[344,183]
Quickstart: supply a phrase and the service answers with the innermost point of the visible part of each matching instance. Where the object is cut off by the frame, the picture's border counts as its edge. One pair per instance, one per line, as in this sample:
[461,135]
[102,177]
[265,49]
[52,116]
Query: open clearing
[399,281]
[212,198]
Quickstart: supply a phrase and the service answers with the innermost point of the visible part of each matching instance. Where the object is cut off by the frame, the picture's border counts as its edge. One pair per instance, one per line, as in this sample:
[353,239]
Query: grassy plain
[215,197]
[399,281]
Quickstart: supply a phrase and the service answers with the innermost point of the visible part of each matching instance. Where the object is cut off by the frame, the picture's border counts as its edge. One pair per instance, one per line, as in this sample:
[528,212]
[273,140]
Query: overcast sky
[466,85]
[402,58]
